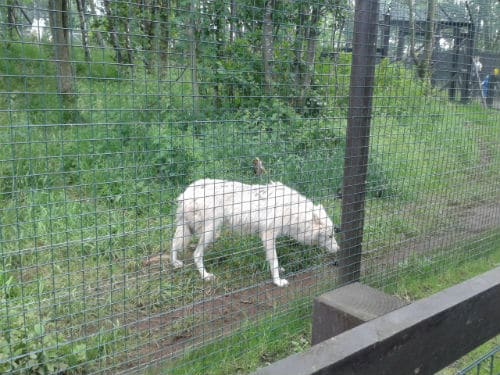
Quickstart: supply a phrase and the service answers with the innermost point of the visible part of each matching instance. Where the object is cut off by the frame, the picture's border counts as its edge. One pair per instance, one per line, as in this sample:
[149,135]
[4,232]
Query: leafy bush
[177,155]
[27,348]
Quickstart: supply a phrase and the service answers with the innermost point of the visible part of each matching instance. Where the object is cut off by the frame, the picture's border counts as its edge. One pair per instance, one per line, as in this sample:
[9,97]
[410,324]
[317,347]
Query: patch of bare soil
[465,224]
[215,317]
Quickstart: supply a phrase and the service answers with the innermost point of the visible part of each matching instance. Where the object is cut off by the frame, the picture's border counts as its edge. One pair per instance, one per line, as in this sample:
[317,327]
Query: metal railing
[484,365]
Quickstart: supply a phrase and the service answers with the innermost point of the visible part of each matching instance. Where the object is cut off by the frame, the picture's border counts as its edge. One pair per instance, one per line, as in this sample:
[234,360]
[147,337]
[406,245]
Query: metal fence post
[358,137]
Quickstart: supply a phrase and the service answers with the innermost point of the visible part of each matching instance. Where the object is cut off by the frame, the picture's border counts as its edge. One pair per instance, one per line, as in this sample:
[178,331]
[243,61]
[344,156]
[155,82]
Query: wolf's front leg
[205,240]
[180,242]
[269,242]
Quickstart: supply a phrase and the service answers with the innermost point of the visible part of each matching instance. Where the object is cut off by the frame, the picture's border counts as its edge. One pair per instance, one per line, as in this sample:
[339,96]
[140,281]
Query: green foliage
[394,84]
[27,347]
[177,157]
[237,75]
[332,76]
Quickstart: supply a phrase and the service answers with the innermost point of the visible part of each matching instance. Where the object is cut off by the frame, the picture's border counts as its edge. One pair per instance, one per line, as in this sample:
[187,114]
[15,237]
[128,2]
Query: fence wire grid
[110,110]
[484,365]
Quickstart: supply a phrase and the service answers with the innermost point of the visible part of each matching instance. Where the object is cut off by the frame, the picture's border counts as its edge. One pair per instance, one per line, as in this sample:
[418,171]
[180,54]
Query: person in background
[489,86]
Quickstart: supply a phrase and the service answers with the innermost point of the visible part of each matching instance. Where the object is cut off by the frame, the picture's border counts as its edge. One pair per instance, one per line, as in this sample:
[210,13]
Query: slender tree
[59,25]
[80,5]
[11,19]
[112,31]
[312,39]
[164,29]
[232,22]
[218,25]
[95,30]
[306,39]
[423,62]
[128,40]
[425,66]
[268,45]
[298,63]
[193,51]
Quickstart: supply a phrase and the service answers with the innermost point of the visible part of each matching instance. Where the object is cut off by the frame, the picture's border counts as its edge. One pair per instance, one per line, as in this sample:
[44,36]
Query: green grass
[426,274]
[420,282]
[255,344]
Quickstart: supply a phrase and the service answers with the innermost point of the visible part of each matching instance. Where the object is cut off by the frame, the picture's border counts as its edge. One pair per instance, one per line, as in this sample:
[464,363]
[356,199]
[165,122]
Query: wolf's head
[323,230]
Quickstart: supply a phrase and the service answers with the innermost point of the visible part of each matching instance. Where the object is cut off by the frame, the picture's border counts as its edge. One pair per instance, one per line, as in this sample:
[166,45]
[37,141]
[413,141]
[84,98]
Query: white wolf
[270,211]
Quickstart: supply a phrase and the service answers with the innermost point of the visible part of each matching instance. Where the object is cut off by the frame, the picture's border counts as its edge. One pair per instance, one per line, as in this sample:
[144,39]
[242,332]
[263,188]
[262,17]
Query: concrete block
[347,307]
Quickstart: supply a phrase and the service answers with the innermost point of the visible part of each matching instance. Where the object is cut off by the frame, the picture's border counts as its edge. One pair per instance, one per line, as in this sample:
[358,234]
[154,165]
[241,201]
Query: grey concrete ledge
[347,307]
[420,338]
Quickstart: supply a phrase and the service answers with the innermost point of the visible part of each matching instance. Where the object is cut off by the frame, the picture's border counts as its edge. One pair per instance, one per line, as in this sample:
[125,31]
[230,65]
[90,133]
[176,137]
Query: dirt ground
[219,315]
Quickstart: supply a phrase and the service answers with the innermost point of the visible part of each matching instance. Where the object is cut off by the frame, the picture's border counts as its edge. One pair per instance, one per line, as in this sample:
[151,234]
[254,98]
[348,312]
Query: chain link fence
[111,109]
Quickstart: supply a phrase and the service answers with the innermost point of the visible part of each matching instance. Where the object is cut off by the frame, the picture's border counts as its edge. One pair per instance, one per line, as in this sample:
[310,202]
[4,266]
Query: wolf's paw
[208,277]
[281,282]
[177,263]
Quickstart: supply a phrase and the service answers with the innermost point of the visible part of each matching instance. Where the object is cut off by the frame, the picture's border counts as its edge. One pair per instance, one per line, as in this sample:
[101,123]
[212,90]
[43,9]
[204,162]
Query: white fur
[270,211]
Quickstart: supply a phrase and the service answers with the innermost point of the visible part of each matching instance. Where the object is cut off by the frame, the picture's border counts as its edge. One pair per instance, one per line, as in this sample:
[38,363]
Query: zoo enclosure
[111,108]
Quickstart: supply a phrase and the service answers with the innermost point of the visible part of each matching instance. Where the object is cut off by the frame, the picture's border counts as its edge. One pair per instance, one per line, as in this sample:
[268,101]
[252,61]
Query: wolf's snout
[334,247]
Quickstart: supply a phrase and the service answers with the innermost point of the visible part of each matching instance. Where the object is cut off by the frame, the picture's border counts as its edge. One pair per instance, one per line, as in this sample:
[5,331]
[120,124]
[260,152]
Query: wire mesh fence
[487,364]
[110,110]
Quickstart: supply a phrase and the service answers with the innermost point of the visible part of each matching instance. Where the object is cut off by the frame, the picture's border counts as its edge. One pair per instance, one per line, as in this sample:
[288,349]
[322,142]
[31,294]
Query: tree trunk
[11,19]
[164,33]
[312,39]
[128,42]
[268,46]
[298,64]
[219,41]
[425,67]
[97,33]
[80,5]
[58,18]
[149,22]
[232,23]
[232,38]
[401,43]
[193,46]
[411,22]
[112,31]
[423,64]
